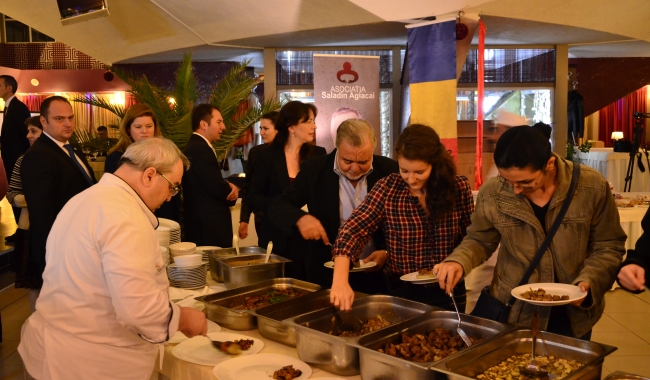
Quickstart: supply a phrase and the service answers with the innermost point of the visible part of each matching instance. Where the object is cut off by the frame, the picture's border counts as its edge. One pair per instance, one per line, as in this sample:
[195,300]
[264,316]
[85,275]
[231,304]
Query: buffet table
[613,166]
[174,368]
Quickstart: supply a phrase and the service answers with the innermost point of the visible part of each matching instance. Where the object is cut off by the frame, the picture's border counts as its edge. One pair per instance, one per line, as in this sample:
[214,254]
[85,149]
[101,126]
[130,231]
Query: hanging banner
[432,74]
[345,87]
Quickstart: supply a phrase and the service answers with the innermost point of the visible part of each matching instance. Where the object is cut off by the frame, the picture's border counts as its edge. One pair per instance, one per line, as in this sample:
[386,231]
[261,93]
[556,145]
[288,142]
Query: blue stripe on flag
[432,52]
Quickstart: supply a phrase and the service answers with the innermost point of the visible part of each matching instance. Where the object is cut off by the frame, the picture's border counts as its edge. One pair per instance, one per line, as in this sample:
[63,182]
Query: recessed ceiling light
[34,82]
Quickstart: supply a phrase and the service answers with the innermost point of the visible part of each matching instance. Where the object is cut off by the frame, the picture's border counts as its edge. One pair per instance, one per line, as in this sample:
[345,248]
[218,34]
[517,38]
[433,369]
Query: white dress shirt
[105,291]
[60,144]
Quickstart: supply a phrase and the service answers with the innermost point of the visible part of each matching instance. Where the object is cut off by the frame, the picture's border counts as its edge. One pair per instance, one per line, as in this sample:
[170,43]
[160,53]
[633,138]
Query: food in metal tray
[270,298]
[373,324]
[287,373]
[541,295]
[424,274]
[509,368]
[243,263]
[435,345]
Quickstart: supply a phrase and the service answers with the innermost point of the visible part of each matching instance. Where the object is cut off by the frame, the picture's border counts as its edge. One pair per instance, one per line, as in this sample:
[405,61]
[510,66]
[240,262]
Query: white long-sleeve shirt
[105,297]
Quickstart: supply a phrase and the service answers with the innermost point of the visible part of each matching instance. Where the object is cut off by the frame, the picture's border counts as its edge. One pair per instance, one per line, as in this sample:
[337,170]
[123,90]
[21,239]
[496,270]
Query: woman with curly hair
[423,211]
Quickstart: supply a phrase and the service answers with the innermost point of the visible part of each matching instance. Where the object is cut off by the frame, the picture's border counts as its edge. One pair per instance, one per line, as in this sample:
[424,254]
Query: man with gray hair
[104,309]
[332,186]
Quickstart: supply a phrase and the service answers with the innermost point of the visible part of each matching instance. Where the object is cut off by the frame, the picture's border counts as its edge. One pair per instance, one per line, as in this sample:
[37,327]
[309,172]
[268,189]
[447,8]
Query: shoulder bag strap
[556,224]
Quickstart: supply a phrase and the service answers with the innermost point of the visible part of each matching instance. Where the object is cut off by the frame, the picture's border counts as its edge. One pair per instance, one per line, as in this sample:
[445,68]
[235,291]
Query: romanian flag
[431,56]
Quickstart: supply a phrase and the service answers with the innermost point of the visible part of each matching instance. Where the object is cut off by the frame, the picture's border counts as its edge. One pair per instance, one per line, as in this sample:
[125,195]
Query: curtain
[618,116]
[33,102]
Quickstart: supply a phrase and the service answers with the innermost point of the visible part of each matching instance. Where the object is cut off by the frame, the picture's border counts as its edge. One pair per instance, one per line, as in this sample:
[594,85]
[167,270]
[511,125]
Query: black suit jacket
[50,179]
[317,186]
[206,209]
[246,208]
[270,178]
[14,133]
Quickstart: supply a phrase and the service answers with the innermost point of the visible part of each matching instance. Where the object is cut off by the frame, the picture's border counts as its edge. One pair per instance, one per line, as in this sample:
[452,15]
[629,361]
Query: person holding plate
[516,210]
[423,211]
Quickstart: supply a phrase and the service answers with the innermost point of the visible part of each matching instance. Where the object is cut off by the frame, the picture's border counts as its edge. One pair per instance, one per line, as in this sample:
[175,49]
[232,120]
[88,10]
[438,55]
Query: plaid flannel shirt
[413,240]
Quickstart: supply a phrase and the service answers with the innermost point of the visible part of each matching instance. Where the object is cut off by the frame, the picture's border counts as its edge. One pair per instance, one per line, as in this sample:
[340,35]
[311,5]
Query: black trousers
[559,323]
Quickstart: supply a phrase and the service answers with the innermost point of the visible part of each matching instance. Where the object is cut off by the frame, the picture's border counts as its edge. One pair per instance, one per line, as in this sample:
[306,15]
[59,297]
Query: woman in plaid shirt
[423,211]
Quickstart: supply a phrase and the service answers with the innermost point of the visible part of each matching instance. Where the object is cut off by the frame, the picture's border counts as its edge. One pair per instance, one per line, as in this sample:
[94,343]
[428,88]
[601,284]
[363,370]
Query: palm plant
[174,117]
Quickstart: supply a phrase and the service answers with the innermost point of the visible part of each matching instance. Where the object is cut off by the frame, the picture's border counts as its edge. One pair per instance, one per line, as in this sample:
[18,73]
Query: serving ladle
[532,369]
[462,334]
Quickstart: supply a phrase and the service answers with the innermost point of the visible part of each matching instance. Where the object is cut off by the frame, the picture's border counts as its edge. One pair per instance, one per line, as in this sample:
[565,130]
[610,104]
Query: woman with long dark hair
[278,165]
[423,211]
[516,210]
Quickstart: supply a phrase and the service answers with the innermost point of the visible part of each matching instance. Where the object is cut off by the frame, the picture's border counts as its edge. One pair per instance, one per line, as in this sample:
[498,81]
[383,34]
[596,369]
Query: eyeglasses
[518,185]
[173,188]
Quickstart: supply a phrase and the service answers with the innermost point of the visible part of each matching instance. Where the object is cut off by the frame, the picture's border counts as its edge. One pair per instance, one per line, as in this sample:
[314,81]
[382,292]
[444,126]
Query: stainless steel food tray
[618,375]
[215,267]
[269,318]
[219,305]
[375,365]
[333,353]
[474,361]
[238,272]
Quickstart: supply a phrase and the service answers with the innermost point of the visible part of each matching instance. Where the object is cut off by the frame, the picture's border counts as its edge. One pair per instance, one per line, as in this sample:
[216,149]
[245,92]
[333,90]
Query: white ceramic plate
[572,291]
[361,268]
[199,350]
[260,368]
[180,337]
[411,277]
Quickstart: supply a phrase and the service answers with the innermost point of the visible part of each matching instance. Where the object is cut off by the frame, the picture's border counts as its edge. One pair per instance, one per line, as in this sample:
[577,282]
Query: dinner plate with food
[423,276]
[203,350]
[359,266]
[548,294]
[263,367]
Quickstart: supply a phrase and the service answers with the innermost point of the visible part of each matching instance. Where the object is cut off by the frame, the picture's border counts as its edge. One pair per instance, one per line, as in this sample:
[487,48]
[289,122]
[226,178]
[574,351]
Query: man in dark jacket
[634,273]
[14,131]
[332,186]
[207,197]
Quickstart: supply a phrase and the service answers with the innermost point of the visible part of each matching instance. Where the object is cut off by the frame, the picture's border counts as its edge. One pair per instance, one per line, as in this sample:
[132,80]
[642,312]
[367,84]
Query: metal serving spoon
[462,334]
[532,369]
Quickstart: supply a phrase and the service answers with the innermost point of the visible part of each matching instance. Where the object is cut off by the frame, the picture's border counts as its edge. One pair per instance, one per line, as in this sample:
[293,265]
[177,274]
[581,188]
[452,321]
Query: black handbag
[491,308]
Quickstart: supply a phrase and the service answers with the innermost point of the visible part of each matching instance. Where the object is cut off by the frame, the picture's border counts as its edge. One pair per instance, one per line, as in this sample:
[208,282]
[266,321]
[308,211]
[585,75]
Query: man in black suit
[332,186]
[13,140]
[52,173]
[207,196]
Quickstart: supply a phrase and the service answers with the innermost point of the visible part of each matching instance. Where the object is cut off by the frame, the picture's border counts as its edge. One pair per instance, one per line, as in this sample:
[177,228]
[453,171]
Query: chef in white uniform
[104,308]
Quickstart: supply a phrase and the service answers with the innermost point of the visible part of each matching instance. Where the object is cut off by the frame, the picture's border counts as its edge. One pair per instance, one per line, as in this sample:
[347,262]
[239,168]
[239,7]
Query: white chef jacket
[105,296]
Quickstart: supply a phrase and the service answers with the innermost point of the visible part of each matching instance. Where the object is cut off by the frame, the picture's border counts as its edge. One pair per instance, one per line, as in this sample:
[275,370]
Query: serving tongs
[230,348]
[462,334]
[533,369]
[338,325]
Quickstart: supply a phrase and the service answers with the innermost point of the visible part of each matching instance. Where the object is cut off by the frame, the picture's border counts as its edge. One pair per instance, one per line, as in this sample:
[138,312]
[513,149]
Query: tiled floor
[624,325]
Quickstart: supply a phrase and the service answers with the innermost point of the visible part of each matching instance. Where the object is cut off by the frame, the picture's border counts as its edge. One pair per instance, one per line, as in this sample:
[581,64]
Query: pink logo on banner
[344,75]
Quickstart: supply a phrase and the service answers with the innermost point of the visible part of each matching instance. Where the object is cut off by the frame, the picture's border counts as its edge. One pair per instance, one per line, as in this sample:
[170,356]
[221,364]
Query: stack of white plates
[164,252]
[174,229]
[187,277]
[163,235]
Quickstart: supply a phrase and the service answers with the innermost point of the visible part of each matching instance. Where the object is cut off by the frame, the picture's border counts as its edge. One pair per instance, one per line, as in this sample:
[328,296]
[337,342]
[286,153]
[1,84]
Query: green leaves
[173,109]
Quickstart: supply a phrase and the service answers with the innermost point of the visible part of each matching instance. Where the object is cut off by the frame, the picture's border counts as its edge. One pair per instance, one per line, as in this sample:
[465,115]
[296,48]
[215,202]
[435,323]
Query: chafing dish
[475,360]
[618,375]
[269,318]
[333,353]
[244,270]
[376,365]
[219,305]
[215,266]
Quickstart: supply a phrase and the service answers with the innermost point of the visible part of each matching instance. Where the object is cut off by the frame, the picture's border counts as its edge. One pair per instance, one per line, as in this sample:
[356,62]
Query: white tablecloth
[613,166]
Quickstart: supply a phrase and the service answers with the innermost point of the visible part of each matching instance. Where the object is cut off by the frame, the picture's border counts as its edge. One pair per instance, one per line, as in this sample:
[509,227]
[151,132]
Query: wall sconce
[617,135]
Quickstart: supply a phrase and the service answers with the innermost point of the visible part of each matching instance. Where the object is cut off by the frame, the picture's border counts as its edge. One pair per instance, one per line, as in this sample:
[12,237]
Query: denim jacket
[588,246]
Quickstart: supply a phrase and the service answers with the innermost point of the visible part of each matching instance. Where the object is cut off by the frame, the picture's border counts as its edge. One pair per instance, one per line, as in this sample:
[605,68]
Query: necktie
[68,147]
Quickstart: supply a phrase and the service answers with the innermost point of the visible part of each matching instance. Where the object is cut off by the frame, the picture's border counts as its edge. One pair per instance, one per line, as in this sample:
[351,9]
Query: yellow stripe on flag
[434,104]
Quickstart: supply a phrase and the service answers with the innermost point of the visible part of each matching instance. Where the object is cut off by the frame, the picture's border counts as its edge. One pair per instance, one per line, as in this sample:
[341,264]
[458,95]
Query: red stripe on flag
[478,168]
